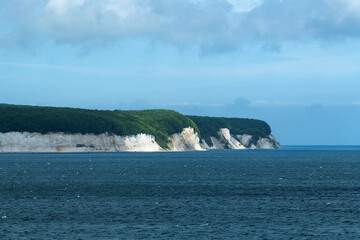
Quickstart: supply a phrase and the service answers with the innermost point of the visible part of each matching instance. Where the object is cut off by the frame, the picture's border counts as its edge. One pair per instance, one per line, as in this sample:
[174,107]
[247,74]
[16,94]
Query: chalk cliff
[187,140]
[60,142]
[49,129]
[226,140]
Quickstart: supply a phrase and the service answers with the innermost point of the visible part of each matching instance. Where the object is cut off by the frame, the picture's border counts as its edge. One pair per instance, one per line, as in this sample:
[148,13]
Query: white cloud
[350,8]
[352,5]
[83,20]
[244,5]
[216,25]
[61,7]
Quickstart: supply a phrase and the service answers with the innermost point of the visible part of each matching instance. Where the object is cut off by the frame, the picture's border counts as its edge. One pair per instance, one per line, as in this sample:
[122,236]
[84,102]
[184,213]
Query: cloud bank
[214,25]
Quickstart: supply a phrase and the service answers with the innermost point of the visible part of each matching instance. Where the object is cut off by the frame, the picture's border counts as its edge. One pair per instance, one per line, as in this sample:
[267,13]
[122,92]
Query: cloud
[215,25]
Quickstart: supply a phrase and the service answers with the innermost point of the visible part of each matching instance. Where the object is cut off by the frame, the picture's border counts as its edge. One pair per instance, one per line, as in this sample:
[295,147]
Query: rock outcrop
[187,140]
[226,140]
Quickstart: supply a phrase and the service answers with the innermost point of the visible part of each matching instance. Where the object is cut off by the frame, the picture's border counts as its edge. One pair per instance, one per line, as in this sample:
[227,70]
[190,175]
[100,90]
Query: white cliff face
[229,140]
[267,143]
[226,140]
[264,143]
[204,144]
[59,142]
[244,139]
[217,144]
[187,140]
[141,142]
[274,142]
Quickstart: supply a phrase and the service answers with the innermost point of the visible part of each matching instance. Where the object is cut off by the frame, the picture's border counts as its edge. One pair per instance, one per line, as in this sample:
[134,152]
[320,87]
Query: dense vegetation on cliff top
[160,123]
[209,126]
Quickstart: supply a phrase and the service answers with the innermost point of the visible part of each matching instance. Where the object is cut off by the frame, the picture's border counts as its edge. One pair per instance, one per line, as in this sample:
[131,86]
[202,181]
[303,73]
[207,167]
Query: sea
[298,192]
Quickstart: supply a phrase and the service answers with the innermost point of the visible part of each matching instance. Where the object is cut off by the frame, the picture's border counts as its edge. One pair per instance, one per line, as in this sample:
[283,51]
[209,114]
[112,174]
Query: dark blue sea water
[294,193]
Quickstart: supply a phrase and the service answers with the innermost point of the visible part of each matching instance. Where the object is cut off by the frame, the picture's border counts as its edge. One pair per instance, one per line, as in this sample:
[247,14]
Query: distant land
[52,129]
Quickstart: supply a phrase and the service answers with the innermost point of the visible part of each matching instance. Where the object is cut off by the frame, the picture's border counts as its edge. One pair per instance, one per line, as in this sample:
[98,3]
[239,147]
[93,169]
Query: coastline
[187,140]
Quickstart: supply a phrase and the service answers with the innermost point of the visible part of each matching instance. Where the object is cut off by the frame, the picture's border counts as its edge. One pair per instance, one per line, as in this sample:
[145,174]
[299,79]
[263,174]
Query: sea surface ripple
[277,194]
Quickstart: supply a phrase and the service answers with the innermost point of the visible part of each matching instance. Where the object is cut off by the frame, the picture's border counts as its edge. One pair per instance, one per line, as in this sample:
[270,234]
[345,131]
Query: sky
[294,64]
